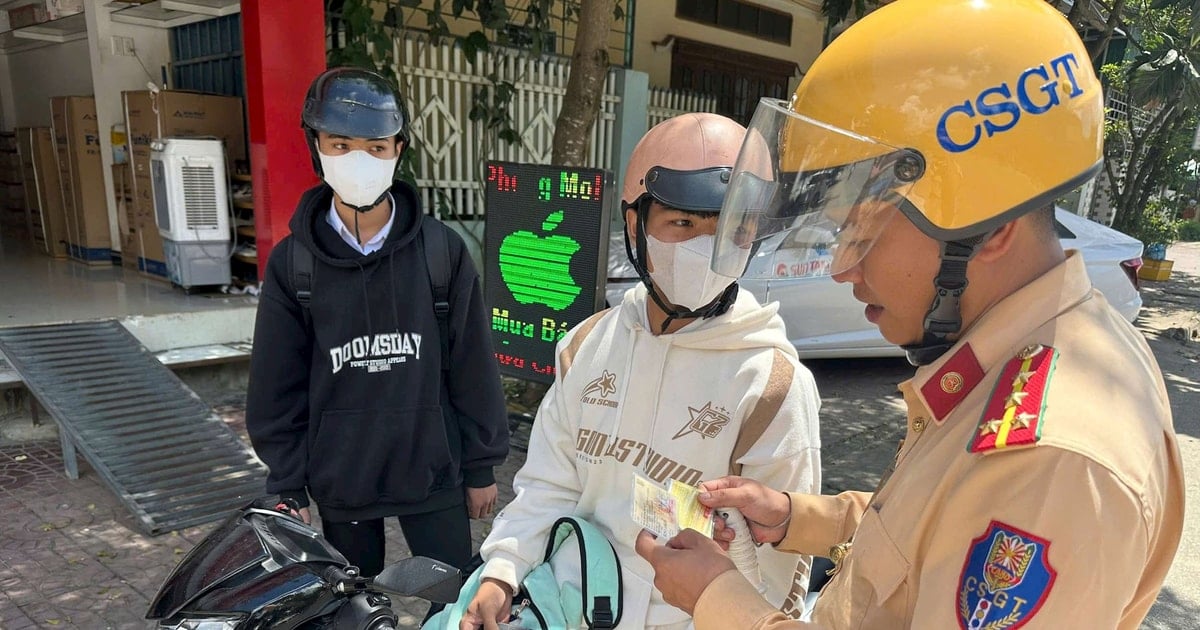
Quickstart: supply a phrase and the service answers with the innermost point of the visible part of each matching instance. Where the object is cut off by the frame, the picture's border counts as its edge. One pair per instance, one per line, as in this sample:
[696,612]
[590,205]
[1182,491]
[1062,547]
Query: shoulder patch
[1005,579]
[1013,415]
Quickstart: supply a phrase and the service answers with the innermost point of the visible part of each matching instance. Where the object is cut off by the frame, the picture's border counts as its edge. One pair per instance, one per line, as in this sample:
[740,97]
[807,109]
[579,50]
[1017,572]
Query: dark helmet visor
[697,191]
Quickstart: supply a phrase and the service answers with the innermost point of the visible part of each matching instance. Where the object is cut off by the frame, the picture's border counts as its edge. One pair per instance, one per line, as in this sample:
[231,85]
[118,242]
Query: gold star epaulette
[1013,415]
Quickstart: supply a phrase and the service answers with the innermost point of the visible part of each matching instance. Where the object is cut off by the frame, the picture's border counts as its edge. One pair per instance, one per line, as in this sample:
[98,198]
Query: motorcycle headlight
[207,623]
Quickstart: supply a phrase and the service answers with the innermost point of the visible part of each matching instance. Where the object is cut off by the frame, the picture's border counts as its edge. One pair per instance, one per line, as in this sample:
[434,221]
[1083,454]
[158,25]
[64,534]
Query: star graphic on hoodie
[606,385]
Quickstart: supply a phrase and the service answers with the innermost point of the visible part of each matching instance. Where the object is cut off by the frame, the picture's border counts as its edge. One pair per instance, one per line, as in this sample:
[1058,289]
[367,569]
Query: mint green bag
[548,602]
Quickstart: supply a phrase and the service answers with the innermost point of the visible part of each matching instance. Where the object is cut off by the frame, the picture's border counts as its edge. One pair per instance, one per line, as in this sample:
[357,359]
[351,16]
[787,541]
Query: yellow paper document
[667,511]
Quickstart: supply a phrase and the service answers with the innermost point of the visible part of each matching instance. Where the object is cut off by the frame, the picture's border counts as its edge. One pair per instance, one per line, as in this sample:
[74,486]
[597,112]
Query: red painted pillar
[284,49]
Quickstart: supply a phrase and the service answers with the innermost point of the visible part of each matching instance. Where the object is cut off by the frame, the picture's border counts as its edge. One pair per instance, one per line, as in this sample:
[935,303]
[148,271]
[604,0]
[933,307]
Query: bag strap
[601,579]
[436,250]
[302,272]
[437,262]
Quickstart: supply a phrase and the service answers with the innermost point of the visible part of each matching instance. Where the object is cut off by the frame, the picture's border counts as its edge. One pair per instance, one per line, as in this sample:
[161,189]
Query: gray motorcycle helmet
[352,102]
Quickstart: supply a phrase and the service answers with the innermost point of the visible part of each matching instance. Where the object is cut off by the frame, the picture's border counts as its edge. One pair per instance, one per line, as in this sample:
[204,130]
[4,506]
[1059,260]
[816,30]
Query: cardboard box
[123,196]
[43,190]
[129,250]
[62,8]
[174,114]
[1155,270]
[84,198]
[145,253]
[28,15]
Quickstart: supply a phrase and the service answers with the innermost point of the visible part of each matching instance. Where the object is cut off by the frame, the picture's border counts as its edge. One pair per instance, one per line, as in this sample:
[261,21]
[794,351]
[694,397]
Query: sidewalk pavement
[72,557]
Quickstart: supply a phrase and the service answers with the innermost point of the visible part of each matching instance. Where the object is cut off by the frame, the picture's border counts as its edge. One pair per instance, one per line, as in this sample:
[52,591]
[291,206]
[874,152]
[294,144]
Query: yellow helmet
[1004,107]
[965,114]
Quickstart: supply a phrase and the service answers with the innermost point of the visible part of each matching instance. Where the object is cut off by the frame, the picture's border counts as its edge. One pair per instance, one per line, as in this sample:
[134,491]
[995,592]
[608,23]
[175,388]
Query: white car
[824,320]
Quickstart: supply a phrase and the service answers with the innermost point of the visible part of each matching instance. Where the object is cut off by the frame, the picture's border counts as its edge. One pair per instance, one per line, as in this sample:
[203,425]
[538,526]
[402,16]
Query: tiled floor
[36,289]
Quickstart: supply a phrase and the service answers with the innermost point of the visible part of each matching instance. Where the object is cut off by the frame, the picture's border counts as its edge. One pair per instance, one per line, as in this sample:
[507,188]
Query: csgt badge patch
[1005,579]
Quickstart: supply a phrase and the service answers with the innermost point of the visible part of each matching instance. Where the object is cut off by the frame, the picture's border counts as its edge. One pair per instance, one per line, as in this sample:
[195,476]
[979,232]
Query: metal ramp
[161,449]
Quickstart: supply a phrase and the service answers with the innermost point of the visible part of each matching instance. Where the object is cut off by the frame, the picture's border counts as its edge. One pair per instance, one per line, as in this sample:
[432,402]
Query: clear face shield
[802,185]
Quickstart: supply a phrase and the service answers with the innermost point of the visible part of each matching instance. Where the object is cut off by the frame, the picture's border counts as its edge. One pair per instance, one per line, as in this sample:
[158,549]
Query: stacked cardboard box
[14,216]
[171,114]
[41,11]
[43,192]
[81,171]
[27,15]
[127,221]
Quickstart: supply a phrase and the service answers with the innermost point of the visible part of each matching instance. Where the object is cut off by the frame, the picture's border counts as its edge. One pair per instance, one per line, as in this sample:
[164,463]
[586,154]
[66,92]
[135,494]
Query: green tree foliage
[1143,159]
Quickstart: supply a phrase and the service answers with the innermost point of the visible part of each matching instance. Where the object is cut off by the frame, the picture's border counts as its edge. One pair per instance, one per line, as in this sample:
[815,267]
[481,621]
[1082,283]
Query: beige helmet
[684,162]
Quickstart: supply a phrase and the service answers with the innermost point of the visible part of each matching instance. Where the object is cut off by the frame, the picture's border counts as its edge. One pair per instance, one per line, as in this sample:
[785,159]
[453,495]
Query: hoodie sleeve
[277,394]
[546,487]
[787,456]
[474,377]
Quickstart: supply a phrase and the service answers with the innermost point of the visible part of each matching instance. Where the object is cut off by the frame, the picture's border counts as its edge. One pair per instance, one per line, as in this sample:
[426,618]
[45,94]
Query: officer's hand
[766,510]
[491,605]
[684,567]
[304,515]
[481,501]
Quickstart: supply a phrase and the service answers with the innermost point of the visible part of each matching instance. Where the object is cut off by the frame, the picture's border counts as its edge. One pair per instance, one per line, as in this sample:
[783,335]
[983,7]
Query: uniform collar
[996,336]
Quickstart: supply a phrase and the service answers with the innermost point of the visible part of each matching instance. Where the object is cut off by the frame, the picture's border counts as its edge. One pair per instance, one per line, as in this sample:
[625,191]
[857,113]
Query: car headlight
[207,623]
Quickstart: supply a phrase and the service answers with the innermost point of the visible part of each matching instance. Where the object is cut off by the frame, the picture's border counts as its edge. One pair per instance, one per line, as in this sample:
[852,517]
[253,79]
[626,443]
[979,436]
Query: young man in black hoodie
[349,399]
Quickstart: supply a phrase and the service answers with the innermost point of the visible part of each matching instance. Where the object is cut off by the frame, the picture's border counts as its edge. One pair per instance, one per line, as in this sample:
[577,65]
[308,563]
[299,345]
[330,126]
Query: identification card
[667,511]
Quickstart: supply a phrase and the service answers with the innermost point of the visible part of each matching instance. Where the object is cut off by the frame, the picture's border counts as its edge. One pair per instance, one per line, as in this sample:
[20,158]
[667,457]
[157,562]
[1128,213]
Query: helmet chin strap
[944,317]
[364,209]
[712,309]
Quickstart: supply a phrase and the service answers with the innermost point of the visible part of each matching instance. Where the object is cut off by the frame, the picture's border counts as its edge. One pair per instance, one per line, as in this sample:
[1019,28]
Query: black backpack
[437,262]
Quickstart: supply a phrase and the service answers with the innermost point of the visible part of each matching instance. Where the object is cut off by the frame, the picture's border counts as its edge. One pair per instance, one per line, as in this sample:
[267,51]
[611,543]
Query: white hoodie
[667,406]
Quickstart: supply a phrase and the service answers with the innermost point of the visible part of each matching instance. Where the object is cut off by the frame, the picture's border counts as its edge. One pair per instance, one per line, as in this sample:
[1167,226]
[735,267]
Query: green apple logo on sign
[538,270]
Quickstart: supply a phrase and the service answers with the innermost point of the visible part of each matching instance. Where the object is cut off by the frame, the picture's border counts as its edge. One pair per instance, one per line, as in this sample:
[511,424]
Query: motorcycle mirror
[421,577]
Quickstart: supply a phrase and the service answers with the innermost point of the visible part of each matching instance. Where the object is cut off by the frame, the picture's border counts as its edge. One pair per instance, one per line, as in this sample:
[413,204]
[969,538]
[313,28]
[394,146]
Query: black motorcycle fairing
[251,544]
[282,600]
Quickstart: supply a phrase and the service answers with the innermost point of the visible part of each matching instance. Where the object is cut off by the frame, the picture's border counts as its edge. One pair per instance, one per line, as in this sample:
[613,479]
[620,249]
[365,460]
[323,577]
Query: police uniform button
[1030,351]
[919,423]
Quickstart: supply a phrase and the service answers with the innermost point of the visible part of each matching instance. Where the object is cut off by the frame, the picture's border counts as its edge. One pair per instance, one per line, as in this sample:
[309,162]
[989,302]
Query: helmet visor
[699,191]
[355,119]
[795,174]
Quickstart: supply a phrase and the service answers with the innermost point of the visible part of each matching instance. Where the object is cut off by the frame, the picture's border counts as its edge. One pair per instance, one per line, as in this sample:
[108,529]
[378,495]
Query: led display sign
[546,247]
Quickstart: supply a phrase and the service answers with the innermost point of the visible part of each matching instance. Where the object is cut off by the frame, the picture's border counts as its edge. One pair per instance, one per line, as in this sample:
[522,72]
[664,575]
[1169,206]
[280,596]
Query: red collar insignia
[950,384]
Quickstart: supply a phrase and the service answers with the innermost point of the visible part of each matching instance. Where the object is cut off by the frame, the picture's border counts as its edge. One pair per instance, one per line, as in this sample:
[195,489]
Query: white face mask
[359,178]
[682,271]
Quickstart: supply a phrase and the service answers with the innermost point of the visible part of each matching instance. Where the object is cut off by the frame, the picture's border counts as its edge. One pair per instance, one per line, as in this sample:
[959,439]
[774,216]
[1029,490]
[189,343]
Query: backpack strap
[302,272]
[601,580]
[437,262]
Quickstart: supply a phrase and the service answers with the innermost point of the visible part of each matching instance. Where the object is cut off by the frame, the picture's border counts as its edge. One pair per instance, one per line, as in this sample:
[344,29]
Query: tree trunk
[1097,48]
[1075,15]
[589,67]
[1146,161]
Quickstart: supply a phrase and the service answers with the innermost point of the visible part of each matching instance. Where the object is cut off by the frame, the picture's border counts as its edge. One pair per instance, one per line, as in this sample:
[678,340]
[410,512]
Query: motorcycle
[264,568]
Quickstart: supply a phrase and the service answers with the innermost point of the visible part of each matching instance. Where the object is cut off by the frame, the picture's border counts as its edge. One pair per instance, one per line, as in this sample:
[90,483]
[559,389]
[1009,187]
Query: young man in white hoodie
[688,378]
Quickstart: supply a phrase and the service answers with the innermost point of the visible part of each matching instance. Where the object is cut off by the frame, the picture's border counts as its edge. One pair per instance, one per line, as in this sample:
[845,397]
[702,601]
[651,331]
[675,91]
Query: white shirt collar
[371,246]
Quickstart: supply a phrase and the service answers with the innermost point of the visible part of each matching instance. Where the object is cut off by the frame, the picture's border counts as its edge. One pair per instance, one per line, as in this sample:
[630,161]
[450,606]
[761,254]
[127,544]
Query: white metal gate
[441,85]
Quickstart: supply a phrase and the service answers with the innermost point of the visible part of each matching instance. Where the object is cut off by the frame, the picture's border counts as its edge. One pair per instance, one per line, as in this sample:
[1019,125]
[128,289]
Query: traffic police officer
[1039,479]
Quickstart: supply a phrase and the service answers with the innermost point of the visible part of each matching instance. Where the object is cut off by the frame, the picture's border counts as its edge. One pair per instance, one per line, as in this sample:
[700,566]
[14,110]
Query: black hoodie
[354,409]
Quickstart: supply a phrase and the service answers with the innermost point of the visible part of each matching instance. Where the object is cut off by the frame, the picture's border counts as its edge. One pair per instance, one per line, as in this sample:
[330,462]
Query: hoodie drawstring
[392,279]
[362,276]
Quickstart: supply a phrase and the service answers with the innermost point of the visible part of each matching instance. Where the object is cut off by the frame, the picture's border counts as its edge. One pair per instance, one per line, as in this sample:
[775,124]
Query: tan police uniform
[1039,485]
